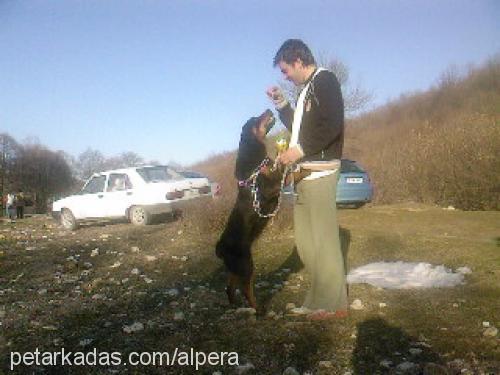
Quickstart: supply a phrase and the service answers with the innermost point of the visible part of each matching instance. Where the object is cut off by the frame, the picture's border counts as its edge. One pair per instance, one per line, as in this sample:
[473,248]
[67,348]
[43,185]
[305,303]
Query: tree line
[43,174]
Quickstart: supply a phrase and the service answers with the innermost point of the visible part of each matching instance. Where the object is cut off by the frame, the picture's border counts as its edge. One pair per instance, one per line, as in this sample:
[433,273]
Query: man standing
[20,203]
[317,127]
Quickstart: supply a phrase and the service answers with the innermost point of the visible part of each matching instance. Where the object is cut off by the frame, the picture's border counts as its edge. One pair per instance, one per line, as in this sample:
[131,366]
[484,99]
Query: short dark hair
[294,49]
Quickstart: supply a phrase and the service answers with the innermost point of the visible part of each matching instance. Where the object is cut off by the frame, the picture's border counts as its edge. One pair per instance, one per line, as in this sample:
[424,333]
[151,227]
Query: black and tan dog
[244,224]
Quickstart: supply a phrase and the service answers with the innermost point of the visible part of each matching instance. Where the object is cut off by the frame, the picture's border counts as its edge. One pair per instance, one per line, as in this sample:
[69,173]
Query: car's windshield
[157,174]
[350,166]
[94,185]
[191,174]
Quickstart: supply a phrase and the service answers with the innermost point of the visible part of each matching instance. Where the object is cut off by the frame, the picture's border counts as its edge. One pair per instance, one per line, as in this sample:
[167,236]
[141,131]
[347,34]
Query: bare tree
[42,173]
[89,162]
[355,97]
[9,149]
[124,160]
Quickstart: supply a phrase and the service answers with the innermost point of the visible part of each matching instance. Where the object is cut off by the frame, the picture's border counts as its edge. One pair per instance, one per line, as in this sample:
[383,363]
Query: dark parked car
[354,187]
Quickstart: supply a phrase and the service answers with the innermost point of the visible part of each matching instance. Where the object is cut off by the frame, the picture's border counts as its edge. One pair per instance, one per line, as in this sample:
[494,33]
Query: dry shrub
[441,146]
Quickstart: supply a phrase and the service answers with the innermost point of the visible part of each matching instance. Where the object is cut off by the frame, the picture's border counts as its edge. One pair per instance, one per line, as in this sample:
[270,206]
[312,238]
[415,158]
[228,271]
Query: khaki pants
[318,243]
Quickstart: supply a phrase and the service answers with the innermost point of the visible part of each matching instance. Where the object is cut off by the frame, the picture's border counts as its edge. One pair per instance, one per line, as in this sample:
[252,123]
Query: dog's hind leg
[248,291]
[232,282]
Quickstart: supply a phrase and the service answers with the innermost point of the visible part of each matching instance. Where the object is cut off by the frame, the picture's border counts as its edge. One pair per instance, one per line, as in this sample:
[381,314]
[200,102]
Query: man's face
[293,72]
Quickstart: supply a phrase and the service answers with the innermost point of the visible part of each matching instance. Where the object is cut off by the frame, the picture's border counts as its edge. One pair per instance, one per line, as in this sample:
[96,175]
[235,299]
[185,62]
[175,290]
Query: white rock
[406,367]
[179,316]
[94,252]
[116,264]
[301,310]
[271,314]
[245,311]
[262,284]
[135,249]
[179,232]
[386,363]
[290,371]
[148,280]
[135,271]
[85,342]
[136,327]
[464,270]
[357,305]
[42,291]
[290,306]
[150,258]
[415,351]
[325,364]
[382,305]
[486,324]
[244,368]
[172,292]
[490,332]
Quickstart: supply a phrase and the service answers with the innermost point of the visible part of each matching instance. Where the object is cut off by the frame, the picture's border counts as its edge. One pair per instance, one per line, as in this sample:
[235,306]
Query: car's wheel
[139,216]
[68,220]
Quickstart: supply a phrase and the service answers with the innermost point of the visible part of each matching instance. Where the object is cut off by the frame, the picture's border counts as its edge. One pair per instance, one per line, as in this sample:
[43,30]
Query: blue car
[354,187]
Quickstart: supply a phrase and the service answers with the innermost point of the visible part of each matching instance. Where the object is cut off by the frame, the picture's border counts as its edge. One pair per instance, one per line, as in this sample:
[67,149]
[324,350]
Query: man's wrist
[279,105]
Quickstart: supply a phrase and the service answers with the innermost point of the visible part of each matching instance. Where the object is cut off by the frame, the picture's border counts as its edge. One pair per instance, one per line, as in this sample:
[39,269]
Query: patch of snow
[402,275]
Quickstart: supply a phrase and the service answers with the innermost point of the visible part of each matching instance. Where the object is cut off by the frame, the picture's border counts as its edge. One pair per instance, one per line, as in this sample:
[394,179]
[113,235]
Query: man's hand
[276,95]
[291,155]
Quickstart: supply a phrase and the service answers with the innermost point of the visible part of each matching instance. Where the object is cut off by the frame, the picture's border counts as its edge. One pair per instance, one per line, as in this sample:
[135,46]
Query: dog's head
[252,149]
[256,128]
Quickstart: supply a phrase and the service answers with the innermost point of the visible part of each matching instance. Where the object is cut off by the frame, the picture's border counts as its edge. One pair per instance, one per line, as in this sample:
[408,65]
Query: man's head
[295,61]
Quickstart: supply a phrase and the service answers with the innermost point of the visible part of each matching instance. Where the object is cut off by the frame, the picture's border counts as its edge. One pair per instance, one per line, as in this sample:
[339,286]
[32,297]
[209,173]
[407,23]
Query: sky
[175,80]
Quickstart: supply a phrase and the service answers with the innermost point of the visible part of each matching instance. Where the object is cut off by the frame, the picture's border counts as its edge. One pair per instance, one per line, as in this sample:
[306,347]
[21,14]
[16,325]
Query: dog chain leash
[255,188]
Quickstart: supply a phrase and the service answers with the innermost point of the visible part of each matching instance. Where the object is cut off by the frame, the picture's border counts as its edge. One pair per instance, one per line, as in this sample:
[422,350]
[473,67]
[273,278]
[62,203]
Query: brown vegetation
[440,147]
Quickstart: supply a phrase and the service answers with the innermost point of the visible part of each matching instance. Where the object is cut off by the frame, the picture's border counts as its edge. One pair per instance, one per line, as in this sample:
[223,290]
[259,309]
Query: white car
[136,193]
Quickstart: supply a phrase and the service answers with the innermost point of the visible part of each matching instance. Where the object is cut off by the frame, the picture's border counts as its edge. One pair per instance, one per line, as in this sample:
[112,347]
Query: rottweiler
[244,224]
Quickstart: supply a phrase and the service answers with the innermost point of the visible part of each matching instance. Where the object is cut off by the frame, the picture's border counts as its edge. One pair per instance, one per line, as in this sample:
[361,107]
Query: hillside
[439,147]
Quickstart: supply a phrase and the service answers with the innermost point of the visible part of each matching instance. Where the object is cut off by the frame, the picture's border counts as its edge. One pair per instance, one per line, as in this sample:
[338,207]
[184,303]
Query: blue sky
[175,80]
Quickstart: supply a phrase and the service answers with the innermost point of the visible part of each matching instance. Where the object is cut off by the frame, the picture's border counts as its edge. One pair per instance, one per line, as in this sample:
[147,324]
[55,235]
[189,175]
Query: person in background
[20,203]
[317,138]
[11,205]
